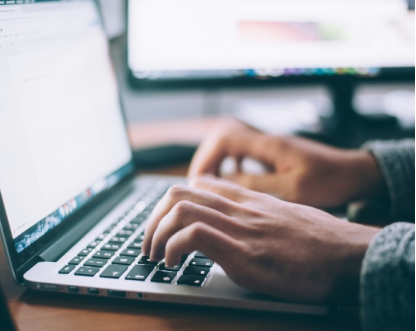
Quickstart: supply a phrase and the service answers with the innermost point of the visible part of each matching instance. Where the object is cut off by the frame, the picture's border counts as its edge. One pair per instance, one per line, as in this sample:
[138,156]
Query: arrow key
[163,277]
[198,262]
[140,272]
[87,271]
[113,271]
[191,280]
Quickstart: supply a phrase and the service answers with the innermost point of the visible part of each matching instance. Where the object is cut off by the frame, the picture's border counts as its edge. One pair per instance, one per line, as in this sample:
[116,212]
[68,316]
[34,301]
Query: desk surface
[34,310]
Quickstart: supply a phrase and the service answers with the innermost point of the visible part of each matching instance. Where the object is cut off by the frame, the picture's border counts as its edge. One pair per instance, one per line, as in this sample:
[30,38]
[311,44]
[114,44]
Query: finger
[225,188]
[212,151]
[179,193]
[215,244]
[184,214]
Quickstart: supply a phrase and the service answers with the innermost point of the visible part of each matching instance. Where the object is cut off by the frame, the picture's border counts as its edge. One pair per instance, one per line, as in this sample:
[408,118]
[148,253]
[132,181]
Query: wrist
[366,177]
[347,281]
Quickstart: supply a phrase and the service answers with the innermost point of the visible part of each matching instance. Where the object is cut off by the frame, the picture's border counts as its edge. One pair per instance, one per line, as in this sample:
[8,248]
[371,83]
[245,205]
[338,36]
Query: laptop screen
[62,134]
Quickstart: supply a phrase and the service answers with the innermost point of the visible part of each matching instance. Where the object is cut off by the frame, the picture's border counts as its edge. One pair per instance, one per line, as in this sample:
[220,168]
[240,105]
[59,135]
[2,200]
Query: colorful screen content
[187,39]
[62,135]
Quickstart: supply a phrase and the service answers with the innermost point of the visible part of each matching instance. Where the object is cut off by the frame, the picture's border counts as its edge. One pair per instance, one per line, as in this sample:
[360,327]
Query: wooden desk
[45,311]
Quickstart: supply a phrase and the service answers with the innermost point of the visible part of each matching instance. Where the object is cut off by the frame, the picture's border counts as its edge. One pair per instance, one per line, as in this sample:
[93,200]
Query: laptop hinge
[56,250]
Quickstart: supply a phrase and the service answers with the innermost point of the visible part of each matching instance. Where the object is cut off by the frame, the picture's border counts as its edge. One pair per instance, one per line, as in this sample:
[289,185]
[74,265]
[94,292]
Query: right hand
[302,171]
[282,249]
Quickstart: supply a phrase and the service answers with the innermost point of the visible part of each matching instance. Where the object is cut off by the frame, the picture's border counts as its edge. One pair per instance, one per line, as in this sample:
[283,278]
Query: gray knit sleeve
[387,284]
[396,160]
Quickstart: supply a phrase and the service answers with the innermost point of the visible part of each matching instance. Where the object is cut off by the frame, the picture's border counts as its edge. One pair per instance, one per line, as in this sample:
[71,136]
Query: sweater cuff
[387,283]
[396,160]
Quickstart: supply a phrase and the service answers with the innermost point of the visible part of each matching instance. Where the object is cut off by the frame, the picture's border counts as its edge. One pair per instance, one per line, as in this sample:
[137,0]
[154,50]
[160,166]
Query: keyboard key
[145,213]
[85,252]
[131,252]
[136,245]
[126,260]
[146,260]
[114,271]
[173,268]
[138,220]
[111,247]
[101,237]
[139,238]
[200,255]
[163,277]
[117,240]
[76,260]
[131,226]
[190,280]
[95,263]
[67,269]
[124,233]
[184,257]
[86,271]
[198,271]
[140,272]
[112,227]
[201,263]
[103,254]
[152,205]
[93,244]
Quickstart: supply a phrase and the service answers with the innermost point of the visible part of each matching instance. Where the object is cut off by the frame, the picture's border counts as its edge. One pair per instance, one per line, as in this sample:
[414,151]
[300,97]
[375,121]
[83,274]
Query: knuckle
[196,231]
[278,143]
[219,138]
[182,209]
[176,192]
[198,181]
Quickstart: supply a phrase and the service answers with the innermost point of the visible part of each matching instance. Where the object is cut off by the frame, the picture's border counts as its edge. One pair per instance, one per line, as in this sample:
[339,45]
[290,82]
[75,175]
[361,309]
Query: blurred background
[338,71]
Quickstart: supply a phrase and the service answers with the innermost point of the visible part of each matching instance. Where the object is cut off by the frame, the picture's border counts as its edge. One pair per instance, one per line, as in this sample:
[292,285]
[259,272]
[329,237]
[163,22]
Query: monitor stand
[350,129]
[346,118]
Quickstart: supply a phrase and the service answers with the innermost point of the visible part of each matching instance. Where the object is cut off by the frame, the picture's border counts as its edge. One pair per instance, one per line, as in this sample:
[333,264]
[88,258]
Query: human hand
[301,171]
[270,246]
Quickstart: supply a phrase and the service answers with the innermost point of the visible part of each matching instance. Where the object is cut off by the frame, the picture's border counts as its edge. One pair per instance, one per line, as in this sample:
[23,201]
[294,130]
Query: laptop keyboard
[116,253]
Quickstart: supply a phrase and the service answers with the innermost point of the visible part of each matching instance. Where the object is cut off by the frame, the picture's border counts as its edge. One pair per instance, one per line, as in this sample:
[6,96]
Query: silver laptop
[72,210]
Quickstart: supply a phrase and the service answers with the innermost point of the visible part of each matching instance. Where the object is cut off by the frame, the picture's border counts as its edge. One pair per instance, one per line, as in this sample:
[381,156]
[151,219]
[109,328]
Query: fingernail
[154,258]
[170,265]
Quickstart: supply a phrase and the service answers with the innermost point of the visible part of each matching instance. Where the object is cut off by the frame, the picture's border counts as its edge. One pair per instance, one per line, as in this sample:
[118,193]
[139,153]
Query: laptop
[72,210]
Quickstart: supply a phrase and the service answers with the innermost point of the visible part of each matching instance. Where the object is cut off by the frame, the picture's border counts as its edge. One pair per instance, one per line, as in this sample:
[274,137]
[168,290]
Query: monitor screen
[62,135]
[187,39]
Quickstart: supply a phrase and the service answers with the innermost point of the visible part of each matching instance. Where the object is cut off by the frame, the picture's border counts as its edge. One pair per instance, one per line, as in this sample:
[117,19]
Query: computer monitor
[223,42]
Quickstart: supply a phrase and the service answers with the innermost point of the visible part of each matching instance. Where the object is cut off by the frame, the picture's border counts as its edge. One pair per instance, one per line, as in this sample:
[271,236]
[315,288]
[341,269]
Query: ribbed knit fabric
[387,284]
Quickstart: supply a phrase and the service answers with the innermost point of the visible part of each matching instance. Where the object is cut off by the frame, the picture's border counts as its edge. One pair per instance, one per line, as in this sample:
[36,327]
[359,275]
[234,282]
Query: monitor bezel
[386,74]
[392,74]
[23,261]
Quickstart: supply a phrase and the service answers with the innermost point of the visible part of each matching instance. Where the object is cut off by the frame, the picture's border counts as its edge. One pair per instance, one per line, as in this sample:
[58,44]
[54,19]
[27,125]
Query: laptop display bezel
[23,261]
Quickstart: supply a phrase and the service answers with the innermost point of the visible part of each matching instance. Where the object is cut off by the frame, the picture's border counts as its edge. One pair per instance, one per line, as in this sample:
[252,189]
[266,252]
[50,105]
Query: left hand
[274,247]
